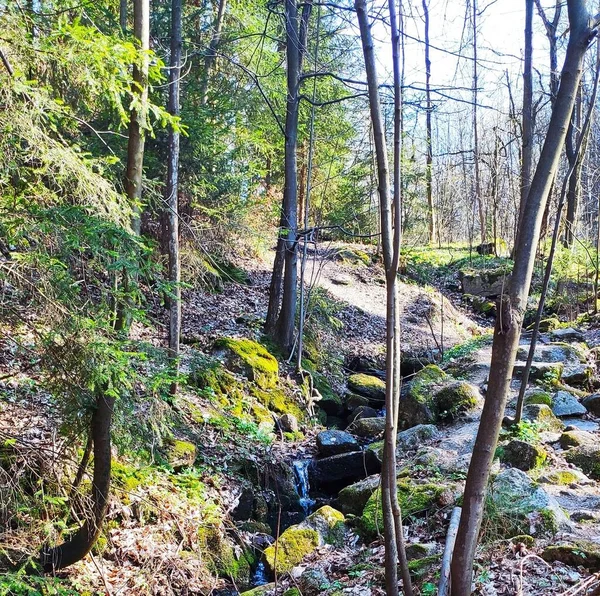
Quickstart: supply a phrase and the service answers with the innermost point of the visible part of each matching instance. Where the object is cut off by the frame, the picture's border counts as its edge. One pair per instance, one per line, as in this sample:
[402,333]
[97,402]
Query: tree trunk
[59,557]
[211,55]
[429,147]
[527,131]
[135,146]
[171,198]
[123,14]
[574,158]
[512,305]
[296,32]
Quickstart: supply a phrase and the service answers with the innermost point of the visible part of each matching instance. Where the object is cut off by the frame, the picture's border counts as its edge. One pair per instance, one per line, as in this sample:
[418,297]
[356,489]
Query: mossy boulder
[577,438]
[277,400]
[223,558]
[353,401]
[367,428]
[564,477]
[249,358]
[330,401]
[369,386]
[420,567]
[180,454]
[353,498]
[517,505]
[577,554]
[260,590]
[324,526]
[523,455]
[543,416]
[414,499]
[434,396]
[540,371]
[537,396]
[587,458]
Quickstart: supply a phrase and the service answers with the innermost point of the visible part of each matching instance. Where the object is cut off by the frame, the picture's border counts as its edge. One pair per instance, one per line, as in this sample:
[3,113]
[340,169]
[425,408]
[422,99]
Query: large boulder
[567,334]
[362,412]
[433,396]
[334,442]
[539,371]
[369,386]
[324,526]
[335,472]
[408,440]
[488,283]
[577,554]
[586,457]
[523,455]
[566,404]
[353,498]
[525,507]
[367,428]
[577,438]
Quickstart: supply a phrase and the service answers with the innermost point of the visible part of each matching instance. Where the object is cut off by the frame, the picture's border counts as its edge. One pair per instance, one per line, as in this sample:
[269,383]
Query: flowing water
[259,577]
[302,485]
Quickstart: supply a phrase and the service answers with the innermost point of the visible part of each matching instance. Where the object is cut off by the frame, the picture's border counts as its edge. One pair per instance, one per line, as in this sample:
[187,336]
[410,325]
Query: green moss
[221,554]
[291,547]
[128,478]
[419,567]
[321,383]
[581,553]
[539,397]
[454,399]
[329,523]
[367,385]
[562,477]
[278,401]
[526,539]
[413,499]
[423,380]
[292,592]
[259,365]
[180,453]
[586,457]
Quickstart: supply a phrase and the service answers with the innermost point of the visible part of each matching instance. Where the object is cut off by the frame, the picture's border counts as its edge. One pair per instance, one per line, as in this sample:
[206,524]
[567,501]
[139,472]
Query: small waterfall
[259,577]
[302,485]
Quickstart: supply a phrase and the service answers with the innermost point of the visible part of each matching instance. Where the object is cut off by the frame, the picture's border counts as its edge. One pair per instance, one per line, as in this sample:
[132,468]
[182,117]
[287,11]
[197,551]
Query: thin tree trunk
[527,128]
[575,159]
[429,147]
[59,557]
[135,146]
[512,305]
[171,199]
[123,14]
[211,55]
[478,197]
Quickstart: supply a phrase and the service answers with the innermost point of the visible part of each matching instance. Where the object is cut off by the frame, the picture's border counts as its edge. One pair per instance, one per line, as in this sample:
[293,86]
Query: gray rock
[353,498]
[353,401]
[334,442]
[416,436]
[367,428]
[567,334]
[313,582]
[419,550]
[513,492]
[543,415]
[582,424]
[489,283]
[288,423]
[576,438]
[362,412]
[583,515]
[592,404]
[539,370]
[566,404]
[338,471]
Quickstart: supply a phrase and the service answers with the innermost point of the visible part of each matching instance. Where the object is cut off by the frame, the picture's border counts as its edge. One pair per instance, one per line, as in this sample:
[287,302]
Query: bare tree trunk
[59,557]
[575,159]
[123,14]
[428,170]
[527,128]
[135,146]
[171,199]
[512,305]
[296,32]
[211,55]
[478,197]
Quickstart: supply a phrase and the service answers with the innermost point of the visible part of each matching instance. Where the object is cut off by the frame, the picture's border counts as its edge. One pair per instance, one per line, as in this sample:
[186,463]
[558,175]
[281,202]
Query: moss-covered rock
[434,396]
[523,455]
[577,438]
[540,371]
[180,454]
[543,416]
[260,590]
[277,400]
[580,553]
[419,567]
[291,547]
[586,457]
[564,477]
[414,499]
[329,523]
[250,359]
[353,498]
[367,428]
[537,396]
[367,385]
[353,401]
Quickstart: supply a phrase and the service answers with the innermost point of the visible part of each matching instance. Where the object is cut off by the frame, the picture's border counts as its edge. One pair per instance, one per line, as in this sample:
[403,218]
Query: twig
[444,585]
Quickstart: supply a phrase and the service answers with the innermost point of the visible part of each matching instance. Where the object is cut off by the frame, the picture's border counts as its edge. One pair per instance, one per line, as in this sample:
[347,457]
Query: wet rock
[243,510]
[336,472]
[353,498]
[353,401]
[530,508]
[288,423]
[576,438]
[367,428]
[567,334]
[543,416]
[369,386]
[587,458]
[566,404]
[523,455]
[576,554]
[592,404]
[334,442]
